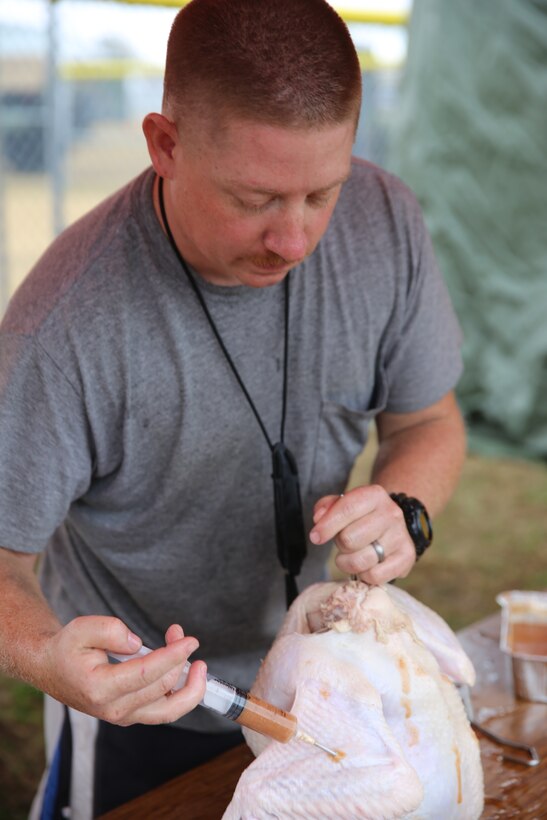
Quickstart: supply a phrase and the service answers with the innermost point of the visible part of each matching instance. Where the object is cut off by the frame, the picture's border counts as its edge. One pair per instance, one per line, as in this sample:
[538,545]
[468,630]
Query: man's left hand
[357,519]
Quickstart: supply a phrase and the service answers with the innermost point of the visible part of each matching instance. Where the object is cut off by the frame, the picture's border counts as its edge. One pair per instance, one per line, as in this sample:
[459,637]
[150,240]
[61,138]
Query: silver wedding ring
[379,550]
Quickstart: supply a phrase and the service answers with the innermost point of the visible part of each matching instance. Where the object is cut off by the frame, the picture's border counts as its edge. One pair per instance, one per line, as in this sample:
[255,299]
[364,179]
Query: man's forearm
[70,662]
[423,459]
[25,618]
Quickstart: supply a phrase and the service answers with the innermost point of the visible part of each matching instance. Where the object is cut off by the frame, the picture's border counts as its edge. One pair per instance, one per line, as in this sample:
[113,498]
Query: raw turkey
[370,673]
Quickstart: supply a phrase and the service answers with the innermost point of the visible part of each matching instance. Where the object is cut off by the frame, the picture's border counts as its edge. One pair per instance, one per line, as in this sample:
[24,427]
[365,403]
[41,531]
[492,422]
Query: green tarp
[471,141]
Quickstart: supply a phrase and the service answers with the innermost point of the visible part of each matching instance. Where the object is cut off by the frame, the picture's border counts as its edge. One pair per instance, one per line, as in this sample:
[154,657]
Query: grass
[21,747]
[492,537]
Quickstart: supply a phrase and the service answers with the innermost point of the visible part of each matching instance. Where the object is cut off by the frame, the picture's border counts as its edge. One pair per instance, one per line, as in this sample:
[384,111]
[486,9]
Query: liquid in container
[524,638]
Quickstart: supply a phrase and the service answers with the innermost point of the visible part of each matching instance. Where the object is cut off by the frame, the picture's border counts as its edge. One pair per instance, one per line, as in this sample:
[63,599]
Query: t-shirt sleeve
[424,360]
[45,453]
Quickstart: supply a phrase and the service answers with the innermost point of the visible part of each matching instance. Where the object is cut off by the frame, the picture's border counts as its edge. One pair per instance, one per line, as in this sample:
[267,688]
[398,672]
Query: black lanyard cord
[219,339]
[289,520]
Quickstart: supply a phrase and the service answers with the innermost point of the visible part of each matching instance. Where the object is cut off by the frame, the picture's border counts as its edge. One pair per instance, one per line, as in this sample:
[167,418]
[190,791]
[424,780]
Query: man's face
[250,201]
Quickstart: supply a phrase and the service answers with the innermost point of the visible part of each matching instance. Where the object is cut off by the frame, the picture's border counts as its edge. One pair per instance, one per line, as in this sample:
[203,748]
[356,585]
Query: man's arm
[26,621]
[420,454]
[70,663]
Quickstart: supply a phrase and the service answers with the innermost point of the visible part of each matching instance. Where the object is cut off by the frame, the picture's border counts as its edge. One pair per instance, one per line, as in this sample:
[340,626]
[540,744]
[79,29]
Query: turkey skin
[370,673]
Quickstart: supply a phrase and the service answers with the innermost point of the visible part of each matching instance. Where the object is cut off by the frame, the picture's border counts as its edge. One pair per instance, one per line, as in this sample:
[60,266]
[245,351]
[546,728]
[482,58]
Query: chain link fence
[76,78]
[22,110]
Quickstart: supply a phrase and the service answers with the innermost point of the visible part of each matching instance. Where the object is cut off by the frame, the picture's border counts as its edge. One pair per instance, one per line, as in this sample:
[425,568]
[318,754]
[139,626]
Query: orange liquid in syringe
[267,719]
[527,638]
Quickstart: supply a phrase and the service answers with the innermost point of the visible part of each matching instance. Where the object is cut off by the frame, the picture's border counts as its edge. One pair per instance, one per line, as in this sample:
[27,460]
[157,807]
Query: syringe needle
[309,739]
[328,751]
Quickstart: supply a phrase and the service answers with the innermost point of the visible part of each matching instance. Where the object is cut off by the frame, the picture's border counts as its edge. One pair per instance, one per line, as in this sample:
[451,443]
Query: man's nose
[286,236]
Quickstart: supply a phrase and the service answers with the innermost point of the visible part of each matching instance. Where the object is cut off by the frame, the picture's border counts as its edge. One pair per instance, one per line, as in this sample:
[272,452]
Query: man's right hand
[77,672]
[70,662]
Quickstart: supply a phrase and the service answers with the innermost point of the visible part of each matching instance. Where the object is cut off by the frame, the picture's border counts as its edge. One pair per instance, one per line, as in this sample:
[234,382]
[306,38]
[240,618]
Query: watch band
[417,520]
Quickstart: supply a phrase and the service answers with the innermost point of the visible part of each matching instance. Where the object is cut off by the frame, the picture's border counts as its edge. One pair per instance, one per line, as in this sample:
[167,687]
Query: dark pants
[131,760]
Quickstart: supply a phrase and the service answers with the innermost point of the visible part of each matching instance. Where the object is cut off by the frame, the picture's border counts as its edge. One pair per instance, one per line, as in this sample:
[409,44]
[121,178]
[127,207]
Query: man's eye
[252,207]
[255,206]
[320,199]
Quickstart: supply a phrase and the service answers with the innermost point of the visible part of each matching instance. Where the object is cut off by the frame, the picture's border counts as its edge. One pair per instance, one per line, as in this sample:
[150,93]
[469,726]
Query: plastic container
[524,638]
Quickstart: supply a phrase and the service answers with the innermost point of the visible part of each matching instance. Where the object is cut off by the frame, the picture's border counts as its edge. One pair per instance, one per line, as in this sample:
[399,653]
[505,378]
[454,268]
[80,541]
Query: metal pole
[53,123]
[4,269]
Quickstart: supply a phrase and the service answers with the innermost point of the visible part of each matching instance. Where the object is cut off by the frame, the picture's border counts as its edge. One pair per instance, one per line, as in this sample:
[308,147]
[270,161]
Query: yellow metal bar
[369,62]
[177,4]
[93,70]
[378,16]
[348,13]
[108,70]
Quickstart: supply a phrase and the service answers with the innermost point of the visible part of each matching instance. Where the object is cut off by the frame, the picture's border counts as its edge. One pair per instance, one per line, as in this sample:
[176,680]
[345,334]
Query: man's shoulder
[82,266]
[374,203]
[371,182]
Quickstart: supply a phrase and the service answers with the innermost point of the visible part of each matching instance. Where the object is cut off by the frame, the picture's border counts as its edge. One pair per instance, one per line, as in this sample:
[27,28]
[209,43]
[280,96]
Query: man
[159,346]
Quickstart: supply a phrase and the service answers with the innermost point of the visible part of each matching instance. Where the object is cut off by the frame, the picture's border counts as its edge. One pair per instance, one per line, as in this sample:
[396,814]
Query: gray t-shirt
[127,449]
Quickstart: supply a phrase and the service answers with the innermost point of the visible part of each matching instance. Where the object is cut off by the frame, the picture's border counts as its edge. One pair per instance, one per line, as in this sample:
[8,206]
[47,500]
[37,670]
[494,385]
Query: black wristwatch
[417,521]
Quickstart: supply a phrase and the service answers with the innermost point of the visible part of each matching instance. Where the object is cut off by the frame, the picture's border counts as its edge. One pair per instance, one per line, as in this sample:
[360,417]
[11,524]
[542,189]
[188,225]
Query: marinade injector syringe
[240,706]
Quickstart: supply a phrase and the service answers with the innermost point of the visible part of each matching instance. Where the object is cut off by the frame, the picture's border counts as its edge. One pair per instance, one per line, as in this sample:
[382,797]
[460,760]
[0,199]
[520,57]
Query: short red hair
[282,62]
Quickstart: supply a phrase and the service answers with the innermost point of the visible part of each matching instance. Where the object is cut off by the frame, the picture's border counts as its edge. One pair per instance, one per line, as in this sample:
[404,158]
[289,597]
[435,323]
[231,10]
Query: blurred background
[455,104]
[76,79]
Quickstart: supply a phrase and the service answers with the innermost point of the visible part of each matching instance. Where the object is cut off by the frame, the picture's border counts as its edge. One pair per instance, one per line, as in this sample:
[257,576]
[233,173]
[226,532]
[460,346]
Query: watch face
[417,521]
[425,524]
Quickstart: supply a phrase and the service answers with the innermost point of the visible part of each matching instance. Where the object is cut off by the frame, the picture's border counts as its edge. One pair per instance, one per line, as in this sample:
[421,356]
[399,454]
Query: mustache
[269,260]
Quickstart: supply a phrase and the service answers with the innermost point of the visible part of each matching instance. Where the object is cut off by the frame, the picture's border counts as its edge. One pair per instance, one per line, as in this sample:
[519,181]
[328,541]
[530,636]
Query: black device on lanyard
[289,518]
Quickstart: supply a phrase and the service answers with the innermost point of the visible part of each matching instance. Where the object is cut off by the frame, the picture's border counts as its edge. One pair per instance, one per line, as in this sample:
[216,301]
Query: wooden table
[511,790]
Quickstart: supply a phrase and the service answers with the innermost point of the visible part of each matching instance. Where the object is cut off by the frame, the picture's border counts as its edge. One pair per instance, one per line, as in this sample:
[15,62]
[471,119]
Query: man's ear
[161,139]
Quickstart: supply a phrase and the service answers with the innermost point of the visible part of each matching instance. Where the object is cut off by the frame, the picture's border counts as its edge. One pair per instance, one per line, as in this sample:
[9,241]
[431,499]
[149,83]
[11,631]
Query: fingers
[109,634]
[174,633]
[165,699]
[366,566]
[160,669]
[173,705]
[323,505]
[131,688]
[340,511]
[128,692]
[357,519]
[362,560]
